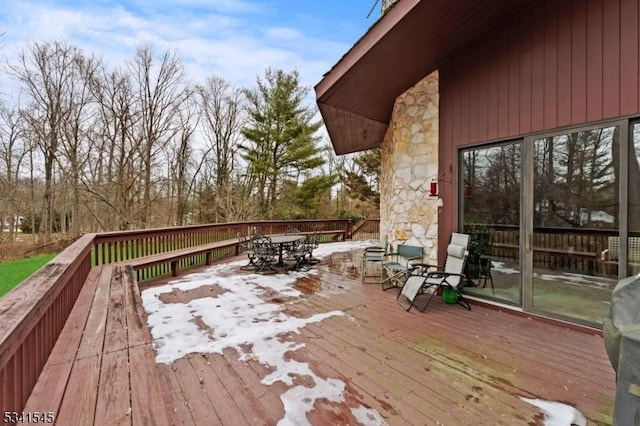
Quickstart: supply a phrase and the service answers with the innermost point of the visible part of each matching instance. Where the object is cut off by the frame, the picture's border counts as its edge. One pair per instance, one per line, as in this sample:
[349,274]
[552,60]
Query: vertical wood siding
[560,63]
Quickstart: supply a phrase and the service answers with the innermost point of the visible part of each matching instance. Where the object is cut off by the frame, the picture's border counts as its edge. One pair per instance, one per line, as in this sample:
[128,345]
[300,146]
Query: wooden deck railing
[31,318]
[369,229]
[33,314]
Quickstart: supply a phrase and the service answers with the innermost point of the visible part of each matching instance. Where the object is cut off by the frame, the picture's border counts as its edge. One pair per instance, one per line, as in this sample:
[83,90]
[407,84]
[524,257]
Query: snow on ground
[500,267]
[238,315]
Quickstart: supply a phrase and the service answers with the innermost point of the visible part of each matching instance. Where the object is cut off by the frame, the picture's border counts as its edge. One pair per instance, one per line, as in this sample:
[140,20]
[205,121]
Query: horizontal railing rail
[33,314]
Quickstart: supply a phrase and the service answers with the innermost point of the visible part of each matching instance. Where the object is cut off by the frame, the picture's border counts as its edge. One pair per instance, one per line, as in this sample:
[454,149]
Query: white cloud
[225,38]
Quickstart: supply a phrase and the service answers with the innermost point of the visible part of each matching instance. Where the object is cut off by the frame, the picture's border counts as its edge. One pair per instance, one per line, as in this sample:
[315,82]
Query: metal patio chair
[246,246]
[398,265]
[311,243]
[299,253]
[266,254]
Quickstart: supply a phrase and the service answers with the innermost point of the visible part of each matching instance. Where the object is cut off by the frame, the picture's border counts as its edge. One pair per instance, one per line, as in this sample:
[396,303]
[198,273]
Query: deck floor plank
[113,405]
[266,397]
[253,411]
[532,374]
[147,404]
[407,371]
[367,384]
[93,338]
[178,412]
[197,401]
[446,365]
[79,402]
[226,407]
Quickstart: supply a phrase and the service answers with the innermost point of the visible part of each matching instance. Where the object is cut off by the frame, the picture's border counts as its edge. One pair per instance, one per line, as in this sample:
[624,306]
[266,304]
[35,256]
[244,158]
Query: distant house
[524,113]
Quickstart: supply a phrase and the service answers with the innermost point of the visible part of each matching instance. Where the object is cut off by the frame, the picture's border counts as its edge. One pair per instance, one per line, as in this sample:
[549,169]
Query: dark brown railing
[33,314]
[31,319]
[369,229]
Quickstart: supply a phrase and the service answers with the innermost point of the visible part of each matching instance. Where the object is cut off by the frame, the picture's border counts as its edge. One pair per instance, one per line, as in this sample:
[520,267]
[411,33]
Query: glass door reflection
[575,217]
[490,199]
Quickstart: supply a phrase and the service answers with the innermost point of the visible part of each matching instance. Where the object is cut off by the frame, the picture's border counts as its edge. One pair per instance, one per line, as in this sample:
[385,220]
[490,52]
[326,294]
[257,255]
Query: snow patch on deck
[240,317]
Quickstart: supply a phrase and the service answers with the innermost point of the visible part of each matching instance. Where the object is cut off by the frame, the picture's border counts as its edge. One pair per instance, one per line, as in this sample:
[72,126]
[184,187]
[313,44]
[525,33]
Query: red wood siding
[559,63]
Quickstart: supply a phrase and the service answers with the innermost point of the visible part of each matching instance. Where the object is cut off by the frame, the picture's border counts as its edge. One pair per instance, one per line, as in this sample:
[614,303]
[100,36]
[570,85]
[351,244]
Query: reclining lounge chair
[430,279]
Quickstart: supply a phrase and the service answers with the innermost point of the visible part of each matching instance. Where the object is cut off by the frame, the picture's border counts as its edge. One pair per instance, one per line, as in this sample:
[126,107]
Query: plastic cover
[621,327]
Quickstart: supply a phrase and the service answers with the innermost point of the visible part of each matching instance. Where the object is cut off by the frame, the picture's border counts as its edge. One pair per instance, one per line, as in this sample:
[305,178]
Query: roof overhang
[410,41]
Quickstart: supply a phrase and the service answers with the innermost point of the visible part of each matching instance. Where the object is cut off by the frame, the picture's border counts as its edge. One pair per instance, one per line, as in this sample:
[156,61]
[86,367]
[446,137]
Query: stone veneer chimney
[386,4]
[408,214]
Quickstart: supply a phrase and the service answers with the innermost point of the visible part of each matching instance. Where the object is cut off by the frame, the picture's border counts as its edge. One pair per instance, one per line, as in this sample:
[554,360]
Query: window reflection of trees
[492,184]
[576,180]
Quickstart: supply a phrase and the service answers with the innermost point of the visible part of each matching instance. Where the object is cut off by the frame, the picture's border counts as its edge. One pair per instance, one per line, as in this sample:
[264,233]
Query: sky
[233,39]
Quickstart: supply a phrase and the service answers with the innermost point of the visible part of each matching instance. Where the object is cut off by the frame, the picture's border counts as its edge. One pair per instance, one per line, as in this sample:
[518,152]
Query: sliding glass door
[490,199]
[574,213]
[552,221]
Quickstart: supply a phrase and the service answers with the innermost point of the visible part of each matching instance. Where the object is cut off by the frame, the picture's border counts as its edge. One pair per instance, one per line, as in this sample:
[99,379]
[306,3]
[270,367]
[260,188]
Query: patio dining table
[283,240]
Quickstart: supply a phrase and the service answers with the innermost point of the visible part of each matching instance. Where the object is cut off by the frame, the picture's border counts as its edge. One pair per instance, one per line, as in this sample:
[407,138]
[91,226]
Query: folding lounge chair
[450,278]
[398,265]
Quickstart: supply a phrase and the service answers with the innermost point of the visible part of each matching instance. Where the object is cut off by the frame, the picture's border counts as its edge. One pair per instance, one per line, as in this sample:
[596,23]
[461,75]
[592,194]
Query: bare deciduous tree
[159,91]
[181,159]
[46,72]
[222,122]
[115,174]
[13,151]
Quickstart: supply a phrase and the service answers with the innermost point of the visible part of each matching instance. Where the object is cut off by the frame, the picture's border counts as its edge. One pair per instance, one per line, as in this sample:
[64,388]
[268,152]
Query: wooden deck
[445,366]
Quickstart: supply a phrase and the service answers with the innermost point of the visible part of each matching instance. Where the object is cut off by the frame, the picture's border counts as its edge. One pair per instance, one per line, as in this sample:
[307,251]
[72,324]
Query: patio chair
[312,242]
[431,279]
[246,246]
[299,253]
[266,255]
[373,255]
[398,265]
[255,233]
[290,247]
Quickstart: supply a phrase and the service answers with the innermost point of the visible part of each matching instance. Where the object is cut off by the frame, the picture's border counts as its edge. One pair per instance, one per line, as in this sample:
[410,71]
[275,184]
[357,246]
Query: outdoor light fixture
[433,188]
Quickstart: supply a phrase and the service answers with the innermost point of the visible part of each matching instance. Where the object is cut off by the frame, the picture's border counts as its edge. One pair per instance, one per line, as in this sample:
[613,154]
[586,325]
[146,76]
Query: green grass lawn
[13,273]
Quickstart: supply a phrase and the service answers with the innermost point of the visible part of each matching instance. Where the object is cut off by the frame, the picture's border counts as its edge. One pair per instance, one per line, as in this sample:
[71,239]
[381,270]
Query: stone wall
[408,215]
[386,4]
